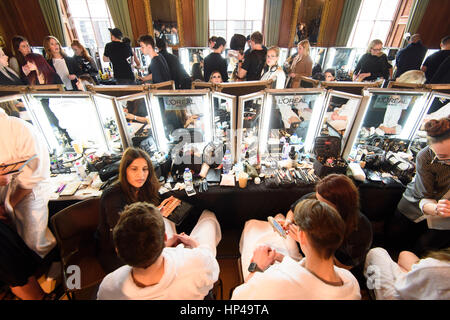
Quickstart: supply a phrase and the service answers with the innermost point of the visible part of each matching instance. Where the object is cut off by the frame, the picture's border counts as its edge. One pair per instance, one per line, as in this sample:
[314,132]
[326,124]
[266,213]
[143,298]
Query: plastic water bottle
[81,171]
[285,152]
[227,162]
[187,176]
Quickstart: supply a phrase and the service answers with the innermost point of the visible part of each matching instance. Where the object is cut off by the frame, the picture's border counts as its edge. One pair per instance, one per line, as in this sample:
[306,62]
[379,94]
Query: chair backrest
[74,226]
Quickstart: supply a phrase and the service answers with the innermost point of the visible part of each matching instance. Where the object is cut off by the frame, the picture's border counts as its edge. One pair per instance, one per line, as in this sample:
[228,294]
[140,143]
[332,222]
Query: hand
[362,76]
[188,241]
[388,130]
[26,70]
[240,56]
[264,256]
[72,76]
[129,116]
[292,75]
[443,208]
[173,242]
[289,220]
[5,179]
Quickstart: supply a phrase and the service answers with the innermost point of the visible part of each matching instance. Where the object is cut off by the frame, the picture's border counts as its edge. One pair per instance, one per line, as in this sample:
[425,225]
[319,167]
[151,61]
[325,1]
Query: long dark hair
[16,41]
[43,67]
[149,191]
[343,194]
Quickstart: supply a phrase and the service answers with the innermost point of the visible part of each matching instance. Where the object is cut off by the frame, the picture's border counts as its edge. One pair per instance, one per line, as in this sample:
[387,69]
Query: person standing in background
[251,65]
[21,48]
[158,71]
[65,66]
[411,57]
[302,64]
[215,61]
[432,63]
[177,71]
[119,54]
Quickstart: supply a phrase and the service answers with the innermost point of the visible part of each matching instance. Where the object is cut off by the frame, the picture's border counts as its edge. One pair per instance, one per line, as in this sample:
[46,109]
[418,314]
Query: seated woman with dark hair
[137,182]
[339,192]
[40,71]
[8,77]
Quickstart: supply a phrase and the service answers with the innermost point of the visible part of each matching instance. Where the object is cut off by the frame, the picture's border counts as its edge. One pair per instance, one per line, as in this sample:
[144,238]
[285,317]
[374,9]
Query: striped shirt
[431,181]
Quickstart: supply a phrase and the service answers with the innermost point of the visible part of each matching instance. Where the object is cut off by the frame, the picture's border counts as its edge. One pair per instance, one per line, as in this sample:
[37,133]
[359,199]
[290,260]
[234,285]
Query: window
[91,19]
[235,16]
[374,21]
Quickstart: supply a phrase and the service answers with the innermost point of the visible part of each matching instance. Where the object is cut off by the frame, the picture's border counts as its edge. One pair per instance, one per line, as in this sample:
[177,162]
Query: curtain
[201,22]
[415,17]
[121,17]
[52,15]
[348,18]
[272,22]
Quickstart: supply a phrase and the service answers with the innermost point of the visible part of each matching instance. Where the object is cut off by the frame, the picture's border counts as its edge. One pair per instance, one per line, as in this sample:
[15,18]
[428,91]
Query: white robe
[19,140]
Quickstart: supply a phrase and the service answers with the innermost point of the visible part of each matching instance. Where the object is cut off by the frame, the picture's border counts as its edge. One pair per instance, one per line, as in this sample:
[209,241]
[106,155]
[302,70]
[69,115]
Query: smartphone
[277,227]
[190,192]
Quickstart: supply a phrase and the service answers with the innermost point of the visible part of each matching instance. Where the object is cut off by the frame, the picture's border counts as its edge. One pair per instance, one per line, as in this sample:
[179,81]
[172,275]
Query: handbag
[178,215]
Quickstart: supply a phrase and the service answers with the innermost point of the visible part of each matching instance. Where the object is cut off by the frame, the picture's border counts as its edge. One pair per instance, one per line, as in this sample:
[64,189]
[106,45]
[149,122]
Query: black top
[254,63]
[215,62]
[442,75]
[355,246]
[159,69]
[410,58]
[177,72]
[433,62]
[16,81]
[87,66]
[377,66]
[119,54]
[73,68]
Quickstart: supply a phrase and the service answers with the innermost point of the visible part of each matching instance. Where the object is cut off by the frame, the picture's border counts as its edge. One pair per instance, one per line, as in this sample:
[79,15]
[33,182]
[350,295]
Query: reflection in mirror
[223,115]
[290,118]
[164,16]
[339,115]
[15,108]
[192,61]
[185,122]
[308,21]
[438,108]
[69,123]
[105,107]
[137,120]
[388,115]
[344,61]
[251,122]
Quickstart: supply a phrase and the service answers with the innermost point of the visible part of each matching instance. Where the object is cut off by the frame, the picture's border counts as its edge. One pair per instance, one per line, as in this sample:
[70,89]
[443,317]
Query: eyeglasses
[437,160]
[440,161]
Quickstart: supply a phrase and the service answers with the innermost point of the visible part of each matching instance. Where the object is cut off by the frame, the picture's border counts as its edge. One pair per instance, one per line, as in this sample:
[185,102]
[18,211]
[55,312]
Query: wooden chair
[74,229]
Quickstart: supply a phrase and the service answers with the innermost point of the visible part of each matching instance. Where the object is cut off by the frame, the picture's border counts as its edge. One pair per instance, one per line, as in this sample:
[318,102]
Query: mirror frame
[149,21]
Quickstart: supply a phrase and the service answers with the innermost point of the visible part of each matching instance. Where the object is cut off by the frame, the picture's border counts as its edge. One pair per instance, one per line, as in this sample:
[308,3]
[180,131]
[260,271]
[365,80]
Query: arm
[224,71]
[406,260]
[242,67]
[264,257]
